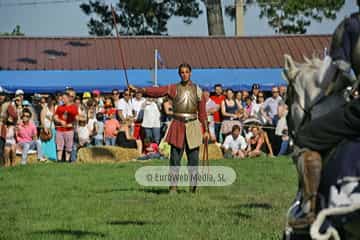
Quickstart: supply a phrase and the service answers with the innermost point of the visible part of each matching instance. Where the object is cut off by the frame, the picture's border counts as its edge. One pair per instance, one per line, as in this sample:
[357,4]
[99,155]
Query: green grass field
[78,201]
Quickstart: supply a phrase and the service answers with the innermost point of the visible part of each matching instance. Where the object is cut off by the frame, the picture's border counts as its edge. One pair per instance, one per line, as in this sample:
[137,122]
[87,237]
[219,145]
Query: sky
[67,19]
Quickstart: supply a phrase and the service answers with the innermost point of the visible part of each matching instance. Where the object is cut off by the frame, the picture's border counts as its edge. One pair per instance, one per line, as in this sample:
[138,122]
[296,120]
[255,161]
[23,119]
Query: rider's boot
[310,165]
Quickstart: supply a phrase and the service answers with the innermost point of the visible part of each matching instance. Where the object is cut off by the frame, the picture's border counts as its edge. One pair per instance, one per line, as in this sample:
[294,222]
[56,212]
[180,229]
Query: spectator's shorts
[64,139]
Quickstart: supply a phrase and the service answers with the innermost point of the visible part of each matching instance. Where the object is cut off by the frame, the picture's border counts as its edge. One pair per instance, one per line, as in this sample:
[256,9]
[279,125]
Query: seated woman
[258,143]
[126,140]
[232,113]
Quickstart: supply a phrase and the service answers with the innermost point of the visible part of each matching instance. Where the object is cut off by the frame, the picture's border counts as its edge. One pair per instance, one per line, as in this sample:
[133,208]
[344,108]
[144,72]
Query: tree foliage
[294,16]
[15,32]
[150,17]
[138,17]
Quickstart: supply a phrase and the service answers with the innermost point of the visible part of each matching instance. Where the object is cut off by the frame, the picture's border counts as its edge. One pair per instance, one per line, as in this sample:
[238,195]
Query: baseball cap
[96,92]
[86,95]
[255,86]
[19,92]
[26,103]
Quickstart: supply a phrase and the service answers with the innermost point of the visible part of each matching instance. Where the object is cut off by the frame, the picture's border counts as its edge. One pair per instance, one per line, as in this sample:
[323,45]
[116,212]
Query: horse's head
[303,90]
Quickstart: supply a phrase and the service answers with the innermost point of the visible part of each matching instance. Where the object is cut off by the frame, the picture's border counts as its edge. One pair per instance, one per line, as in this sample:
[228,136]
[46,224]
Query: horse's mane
[313,63]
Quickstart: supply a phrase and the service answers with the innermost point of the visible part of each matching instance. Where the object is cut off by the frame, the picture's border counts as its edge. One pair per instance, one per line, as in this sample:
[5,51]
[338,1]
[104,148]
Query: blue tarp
[106,80]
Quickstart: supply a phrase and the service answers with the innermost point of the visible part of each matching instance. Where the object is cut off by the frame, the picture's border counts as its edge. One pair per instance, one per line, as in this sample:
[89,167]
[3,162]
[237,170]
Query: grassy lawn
[88,201]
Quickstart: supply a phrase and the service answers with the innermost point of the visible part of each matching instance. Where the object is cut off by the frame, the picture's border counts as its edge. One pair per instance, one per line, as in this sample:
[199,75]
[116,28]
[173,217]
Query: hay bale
[214,150]
[31,159]
[106,154]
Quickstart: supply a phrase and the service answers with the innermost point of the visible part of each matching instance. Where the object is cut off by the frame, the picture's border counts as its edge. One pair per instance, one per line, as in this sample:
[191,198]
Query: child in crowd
[10,143]
[83,132]
[235,145]
[99,130]
[111,128]
[91,123]
[151,150]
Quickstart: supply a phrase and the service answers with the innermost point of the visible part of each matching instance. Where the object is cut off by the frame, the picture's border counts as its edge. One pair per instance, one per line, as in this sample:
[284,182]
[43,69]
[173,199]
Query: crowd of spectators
[244,124]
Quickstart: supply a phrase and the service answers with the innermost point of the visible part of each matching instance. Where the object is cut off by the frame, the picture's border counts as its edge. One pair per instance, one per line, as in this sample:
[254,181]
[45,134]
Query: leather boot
[310,166]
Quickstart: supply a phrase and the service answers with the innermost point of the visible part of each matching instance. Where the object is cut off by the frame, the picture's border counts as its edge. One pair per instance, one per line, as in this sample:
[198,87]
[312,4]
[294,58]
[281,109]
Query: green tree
[15,32]
[293,16]
[138,17]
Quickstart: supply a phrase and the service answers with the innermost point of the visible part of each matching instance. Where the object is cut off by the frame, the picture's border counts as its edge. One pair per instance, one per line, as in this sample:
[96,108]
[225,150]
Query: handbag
[46,136]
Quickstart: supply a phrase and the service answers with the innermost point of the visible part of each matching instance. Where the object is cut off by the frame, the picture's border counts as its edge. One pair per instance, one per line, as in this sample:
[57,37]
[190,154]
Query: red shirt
[153,146]
[217,100]
[68,114]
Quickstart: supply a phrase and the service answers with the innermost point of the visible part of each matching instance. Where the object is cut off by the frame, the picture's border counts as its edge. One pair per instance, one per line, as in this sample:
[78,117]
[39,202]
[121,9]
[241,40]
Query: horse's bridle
[291,92]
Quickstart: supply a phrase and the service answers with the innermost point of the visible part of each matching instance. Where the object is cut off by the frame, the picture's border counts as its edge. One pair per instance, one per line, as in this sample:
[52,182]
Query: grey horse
[308,99]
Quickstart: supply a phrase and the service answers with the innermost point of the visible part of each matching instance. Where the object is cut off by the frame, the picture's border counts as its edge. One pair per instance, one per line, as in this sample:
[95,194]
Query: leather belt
[185,117]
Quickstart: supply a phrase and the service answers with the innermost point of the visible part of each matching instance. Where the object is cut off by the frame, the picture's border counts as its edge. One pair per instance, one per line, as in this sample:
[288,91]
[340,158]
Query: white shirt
[84,134]
[117,103]
[48,118]
[125,107]
[210,104]
[91,124]
[136,105]
[151,115]
[270,106]
[235,144]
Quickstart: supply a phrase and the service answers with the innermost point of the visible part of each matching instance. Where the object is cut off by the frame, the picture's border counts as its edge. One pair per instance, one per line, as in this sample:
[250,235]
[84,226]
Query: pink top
[25,133]
[110,127]
[248,109]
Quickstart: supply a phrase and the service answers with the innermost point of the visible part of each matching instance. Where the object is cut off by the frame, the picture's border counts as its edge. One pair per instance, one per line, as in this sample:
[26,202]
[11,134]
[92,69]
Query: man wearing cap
[20,93]
[185,133]
[85,98]
[6,110]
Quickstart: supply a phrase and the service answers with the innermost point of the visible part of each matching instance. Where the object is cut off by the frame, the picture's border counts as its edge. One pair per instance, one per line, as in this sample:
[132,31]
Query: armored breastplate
[186,100]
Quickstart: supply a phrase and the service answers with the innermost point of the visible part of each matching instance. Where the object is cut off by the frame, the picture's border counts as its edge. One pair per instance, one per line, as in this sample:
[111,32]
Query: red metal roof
[33,53]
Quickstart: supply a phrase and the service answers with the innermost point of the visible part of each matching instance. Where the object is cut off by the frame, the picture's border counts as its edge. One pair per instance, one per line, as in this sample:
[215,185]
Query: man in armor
[189,118]
[324,133]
